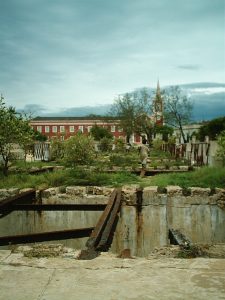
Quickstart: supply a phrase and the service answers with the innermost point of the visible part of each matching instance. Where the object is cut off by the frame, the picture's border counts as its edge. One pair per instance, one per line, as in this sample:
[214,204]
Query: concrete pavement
[108,277]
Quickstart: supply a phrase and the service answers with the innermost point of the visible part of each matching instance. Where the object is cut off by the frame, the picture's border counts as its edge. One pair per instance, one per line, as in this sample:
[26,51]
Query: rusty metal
[97,232]
[58,207]
[108,232]
[24,197]
[46,236]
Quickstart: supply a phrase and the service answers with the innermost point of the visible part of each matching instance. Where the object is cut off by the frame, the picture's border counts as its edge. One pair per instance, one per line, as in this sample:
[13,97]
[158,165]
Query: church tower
[158,107]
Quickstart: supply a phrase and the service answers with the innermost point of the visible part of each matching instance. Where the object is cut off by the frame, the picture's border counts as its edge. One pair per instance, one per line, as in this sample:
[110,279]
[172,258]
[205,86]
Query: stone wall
[145,216]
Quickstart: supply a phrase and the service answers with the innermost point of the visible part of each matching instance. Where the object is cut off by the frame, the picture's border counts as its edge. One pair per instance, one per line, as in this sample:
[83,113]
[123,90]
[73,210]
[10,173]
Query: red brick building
[65,127]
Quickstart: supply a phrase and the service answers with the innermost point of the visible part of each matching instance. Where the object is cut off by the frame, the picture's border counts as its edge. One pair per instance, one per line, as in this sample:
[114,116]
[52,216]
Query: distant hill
[208,100]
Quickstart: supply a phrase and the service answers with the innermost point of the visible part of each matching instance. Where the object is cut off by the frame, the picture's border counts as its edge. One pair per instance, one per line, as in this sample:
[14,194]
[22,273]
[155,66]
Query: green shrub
[57,149]
[221,142]
[79,150]
[105,144]
[120,145]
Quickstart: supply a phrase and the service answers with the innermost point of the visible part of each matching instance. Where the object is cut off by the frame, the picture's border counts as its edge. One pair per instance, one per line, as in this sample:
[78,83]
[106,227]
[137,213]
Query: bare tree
[177,109]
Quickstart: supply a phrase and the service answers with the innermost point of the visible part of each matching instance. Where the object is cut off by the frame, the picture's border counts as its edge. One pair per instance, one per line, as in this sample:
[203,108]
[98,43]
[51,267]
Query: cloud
[33,109]
[189,67]
[86,52]
[208,91]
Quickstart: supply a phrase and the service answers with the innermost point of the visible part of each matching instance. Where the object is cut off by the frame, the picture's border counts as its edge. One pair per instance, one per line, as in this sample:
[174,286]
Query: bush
[221,143]
[157,144]
[105,144]
[56,149]
[79,150]
[120,145]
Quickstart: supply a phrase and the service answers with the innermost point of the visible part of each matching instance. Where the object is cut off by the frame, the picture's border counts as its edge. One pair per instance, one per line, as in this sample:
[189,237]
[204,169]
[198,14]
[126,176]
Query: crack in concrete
[45,287]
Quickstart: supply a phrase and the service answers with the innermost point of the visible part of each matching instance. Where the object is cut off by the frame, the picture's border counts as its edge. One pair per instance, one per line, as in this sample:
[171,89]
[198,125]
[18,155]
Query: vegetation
[177,109]
[125,110]
[105,144]
[221,144]
[134,110]
[205,177]
[76,176]
[79,150]
[99,133]
[14,129]
[57,149]
[211,129]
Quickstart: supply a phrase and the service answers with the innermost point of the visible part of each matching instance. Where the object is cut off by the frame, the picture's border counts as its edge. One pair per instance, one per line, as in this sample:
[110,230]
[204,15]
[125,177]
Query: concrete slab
[108,277]
[4,254]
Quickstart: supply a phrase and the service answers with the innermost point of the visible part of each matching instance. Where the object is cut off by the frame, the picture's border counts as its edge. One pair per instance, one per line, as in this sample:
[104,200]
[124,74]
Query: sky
[71,53]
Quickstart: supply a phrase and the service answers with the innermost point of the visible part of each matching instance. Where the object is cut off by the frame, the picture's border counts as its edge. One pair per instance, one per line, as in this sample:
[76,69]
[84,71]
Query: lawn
[204,177]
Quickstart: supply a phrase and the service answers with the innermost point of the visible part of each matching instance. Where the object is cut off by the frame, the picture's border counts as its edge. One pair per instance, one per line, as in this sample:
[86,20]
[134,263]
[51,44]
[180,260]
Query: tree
[26,136]
[211,129]
[14,129]
[221,144]
[100,132]
[79,149]
[165,131]
[134,110]
[177,109]
[125,110]
[39,137]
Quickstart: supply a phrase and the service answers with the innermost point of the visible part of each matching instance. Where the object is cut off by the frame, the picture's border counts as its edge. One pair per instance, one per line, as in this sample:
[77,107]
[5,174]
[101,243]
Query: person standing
[144,152]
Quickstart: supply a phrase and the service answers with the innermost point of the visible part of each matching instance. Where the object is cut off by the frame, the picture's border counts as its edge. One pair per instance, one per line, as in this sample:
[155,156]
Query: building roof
[74,118]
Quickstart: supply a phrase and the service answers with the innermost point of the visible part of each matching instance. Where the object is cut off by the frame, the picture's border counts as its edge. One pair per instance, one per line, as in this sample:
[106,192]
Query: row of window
[61,128]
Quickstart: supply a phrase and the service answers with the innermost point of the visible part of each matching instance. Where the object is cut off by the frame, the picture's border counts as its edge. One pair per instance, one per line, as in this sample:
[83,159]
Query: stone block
[174,190]
[129,196]
[50,192]
[201,192]
[76,190]
[152,197]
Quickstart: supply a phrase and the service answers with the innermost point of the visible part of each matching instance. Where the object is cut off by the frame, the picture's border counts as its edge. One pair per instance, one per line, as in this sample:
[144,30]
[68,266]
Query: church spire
[158,106]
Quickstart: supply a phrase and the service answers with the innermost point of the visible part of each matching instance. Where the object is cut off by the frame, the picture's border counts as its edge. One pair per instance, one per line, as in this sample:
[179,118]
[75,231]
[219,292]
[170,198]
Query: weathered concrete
[108,277]
[143,224]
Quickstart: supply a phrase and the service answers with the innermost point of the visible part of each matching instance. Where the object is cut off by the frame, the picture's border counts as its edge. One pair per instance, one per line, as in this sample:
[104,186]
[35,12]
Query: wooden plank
[102,245]
[96,234]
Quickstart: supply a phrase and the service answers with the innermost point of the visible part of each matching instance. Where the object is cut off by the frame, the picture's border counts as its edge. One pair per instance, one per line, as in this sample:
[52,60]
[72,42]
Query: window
[62,128]
[113,128]
[71,128]
[62,137]
[54,128]
[46,128]
[89,128]
[81,128]
[39,128]
[120,129]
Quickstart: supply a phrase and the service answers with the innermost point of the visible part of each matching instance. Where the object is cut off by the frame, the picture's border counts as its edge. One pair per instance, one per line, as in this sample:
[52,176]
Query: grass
[65,178]
[205,177]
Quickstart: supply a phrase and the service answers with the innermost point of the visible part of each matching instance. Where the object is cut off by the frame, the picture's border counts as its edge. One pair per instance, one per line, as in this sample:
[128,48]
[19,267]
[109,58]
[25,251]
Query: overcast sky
[70,53]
